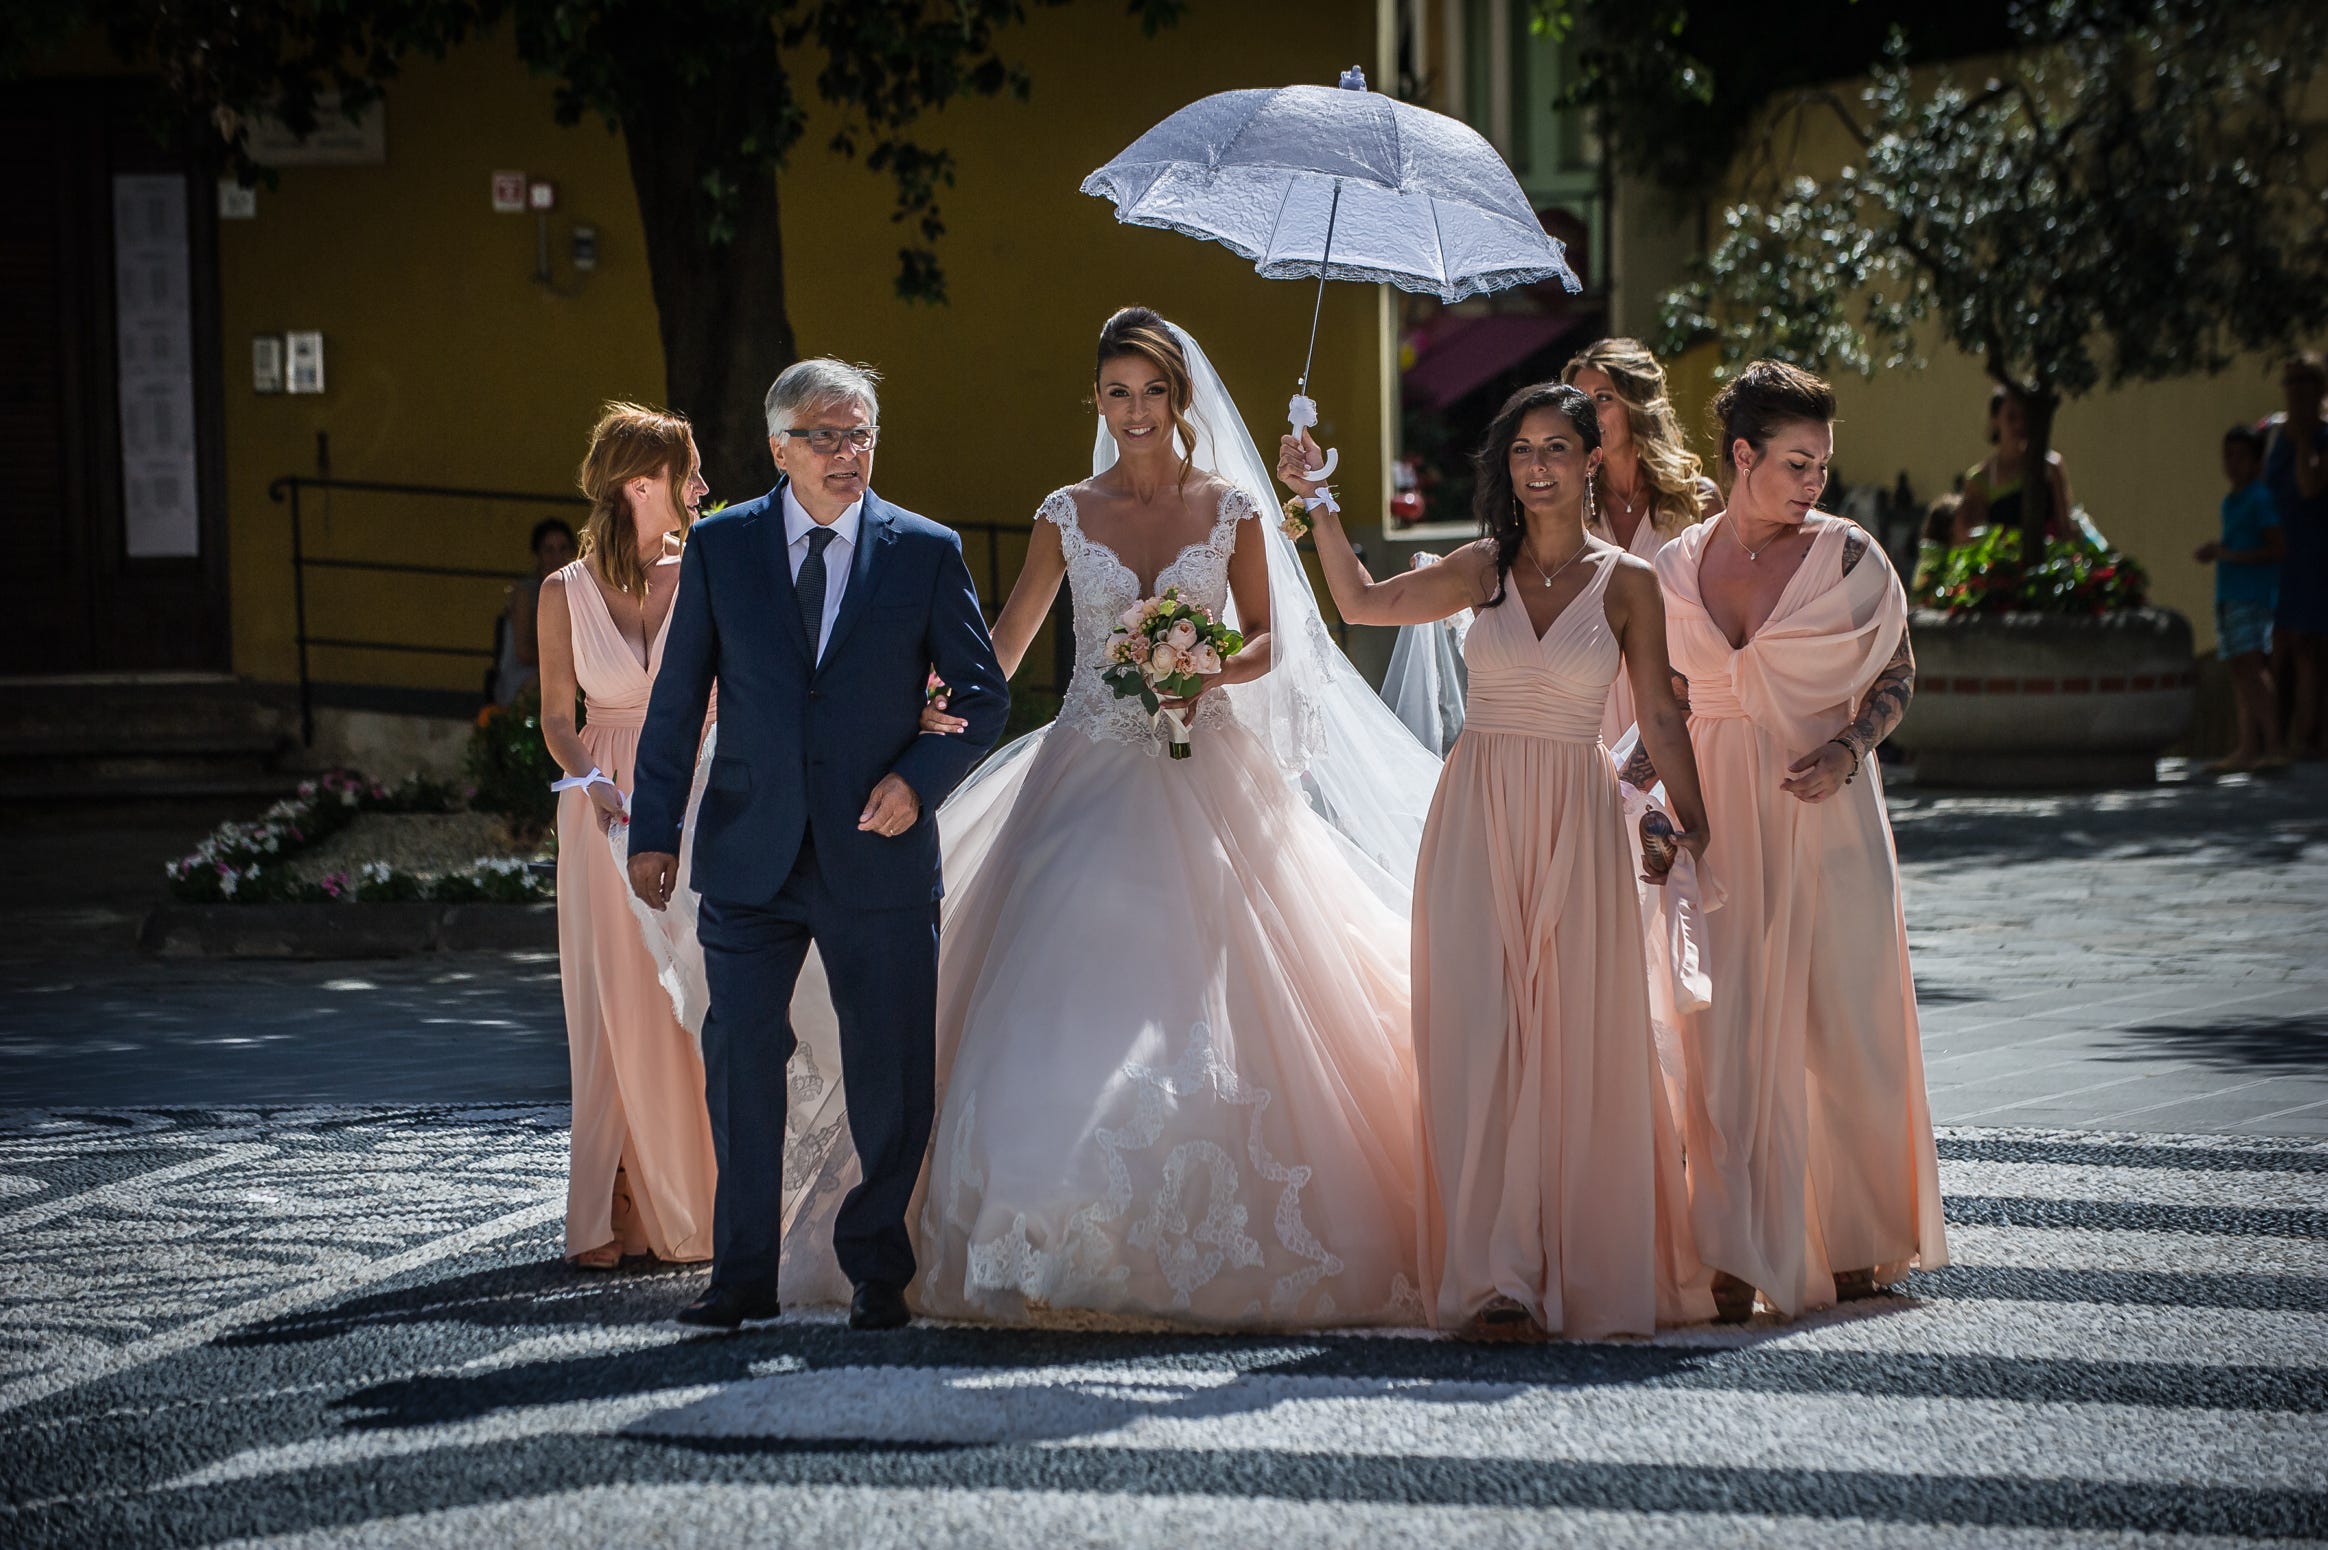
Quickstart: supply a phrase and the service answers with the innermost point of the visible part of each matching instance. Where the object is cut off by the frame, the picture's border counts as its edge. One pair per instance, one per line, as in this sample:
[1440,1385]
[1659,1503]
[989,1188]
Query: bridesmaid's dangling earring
[1591,508]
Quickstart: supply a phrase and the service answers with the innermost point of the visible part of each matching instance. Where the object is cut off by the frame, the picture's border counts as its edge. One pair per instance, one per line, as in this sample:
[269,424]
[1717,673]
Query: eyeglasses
[826,442]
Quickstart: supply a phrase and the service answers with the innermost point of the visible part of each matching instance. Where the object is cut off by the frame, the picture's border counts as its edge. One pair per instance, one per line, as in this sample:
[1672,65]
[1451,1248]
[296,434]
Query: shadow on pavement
[2280,1046]
[2248,822]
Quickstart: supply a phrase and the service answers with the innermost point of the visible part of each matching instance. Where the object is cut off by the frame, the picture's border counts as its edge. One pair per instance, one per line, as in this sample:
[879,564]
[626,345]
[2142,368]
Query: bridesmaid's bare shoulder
[1635,583]
[1475,562]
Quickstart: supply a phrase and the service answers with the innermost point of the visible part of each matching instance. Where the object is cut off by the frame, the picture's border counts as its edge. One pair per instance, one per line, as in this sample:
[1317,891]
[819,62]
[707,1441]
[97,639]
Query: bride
[1175,1066]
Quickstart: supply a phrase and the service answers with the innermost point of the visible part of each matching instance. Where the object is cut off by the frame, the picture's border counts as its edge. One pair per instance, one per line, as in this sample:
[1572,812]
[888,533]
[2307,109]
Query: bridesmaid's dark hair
[1754,404]
[1492,499]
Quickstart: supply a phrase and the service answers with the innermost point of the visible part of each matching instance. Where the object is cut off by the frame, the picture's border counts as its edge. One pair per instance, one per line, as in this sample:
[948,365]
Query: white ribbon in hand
[1302,411]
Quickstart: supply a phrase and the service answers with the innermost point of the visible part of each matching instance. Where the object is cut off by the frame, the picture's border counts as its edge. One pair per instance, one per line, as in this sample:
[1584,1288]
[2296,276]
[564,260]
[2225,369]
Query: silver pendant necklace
[1563,565]
[1755,554]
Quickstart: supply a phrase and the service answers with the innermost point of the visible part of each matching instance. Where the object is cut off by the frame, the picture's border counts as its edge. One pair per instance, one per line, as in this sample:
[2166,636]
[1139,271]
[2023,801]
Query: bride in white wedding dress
[1176,1077]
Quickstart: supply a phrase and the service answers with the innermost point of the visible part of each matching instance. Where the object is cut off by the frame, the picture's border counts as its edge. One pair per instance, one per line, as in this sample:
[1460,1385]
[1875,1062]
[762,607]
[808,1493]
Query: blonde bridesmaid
[1553,1199]
[1649,486]
[642,1171]
[1813,1175]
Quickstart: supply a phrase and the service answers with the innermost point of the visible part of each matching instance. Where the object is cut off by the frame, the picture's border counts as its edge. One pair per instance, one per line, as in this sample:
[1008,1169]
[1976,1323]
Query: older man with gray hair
[819,609]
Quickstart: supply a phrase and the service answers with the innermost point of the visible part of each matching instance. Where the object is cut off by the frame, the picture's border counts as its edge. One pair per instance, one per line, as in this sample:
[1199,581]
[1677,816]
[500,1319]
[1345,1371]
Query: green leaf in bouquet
[1149,700]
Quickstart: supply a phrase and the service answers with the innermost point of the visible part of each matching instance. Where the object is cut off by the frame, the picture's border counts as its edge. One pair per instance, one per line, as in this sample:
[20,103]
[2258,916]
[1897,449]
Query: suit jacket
[802,743]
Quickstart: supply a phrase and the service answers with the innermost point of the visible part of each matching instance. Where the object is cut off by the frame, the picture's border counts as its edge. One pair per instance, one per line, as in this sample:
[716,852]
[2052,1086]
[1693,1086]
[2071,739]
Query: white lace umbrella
[1336,184]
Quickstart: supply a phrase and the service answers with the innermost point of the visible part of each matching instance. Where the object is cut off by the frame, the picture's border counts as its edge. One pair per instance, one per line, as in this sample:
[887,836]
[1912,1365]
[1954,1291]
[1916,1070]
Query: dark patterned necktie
[809,587]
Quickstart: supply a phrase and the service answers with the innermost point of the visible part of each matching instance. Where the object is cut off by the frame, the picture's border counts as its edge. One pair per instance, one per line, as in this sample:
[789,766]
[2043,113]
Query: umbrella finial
[1354,79]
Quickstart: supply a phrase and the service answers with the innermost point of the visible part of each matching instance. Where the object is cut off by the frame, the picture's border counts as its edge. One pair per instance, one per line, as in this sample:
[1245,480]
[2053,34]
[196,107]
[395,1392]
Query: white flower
[1205,660]
[1133,617]
[227,882]
[1164,661]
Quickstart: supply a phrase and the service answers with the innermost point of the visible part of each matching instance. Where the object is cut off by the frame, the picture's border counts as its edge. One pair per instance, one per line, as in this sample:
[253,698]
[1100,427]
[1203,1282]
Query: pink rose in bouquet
[1162,648]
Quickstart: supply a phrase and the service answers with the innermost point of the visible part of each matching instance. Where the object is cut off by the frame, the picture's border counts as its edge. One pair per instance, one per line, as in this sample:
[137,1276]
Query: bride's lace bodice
[1103,587]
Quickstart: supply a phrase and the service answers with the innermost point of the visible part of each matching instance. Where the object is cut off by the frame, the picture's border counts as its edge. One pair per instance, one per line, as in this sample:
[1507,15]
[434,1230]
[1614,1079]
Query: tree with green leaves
[2130,195]
[710,97]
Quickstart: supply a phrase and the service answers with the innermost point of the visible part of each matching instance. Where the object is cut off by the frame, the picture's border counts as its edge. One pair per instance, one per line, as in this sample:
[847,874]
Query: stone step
[111,738]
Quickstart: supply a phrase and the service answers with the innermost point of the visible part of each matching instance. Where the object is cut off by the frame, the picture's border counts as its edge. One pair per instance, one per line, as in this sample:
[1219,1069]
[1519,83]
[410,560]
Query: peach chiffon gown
[637,1076]
[1804,1114]
[1620,715]
[1552,1173]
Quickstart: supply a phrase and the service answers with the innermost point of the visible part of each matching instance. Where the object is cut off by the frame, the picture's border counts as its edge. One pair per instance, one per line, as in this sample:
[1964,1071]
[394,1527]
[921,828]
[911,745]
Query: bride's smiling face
[1135,400]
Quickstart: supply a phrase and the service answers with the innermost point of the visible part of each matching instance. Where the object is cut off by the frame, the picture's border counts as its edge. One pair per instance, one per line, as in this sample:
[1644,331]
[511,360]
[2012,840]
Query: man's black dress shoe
[878,1307]
[724,1308]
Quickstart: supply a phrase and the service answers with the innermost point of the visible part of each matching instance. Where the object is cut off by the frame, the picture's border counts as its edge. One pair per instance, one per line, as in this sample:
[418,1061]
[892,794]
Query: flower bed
[1986,576]
[251,862]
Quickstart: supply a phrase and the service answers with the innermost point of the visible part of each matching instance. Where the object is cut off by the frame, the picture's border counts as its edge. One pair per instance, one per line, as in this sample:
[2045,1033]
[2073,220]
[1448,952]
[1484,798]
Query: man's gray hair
[821,380]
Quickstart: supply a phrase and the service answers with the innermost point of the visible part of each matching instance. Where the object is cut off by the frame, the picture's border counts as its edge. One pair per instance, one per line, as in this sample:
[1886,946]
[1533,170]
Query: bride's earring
[1591,507]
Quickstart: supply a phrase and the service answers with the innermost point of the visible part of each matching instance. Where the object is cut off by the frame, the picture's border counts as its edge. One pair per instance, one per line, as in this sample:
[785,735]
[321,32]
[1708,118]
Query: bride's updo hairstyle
[1760,401]
[1493,501]
[1142,331]
[631,441]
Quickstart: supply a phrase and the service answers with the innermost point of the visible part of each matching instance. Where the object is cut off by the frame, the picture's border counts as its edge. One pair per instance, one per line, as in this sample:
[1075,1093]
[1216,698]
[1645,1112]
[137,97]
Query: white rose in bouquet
[1204,660]
[1164,661]
[1133,617]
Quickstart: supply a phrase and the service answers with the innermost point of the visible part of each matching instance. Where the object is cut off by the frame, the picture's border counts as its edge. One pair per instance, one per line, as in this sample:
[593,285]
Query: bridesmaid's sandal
[1503,1318]
[630,1231]
[1733,1299]
[1856,1285]
[604,1257]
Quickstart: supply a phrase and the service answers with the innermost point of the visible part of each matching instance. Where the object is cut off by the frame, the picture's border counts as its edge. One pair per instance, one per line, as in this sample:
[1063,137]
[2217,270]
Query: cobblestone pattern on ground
[340,1327]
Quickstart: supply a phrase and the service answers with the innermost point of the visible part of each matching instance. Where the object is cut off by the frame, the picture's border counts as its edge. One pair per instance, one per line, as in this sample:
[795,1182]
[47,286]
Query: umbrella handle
[1302,412]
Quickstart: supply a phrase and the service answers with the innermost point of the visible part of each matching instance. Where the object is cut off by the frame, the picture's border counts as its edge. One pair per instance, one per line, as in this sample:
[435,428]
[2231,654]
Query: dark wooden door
[109,390]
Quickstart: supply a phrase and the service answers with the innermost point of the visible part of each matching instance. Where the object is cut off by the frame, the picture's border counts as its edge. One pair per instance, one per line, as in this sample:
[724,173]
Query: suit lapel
[776,561]
[874,535]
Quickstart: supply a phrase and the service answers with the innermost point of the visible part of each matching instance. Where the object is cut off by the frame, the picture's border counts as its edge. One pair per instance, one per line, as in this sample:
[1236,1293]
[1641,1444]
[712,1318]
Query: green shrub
[510,766]
[1986,577]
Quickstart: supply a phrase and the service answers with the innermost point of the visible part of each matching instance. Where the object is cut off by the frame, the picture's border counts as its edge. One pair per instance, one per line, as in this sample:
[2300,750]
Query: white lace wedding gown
[1177,1080]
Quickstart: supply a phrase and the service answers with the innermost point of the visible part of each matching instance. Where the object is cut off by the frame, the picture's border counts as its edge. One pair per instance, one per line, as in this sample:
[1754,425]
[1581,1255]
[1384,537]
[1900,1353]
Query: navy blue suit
[779,859]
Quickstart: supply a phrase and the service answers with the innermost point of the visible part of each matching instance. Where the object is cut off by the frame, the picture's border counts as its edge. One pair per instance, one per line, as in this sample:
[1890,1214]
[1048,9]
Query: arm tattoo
[1854,550]
[1886,702]
[1640,771]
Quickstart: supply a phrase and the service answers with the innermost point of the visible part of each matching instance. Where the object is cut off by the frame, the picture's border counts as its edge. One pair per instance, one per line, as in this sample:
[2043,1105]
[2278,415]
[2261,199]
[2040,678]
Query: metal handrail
[286,491]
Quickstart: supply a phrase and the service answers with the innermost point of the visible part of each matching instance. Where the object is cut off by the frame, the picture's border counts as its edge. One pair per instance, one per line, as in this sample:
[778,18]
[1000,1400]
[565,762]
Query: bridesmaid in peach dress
[642,1171]
[1553,1198]
[1649,487]
[1813,1175]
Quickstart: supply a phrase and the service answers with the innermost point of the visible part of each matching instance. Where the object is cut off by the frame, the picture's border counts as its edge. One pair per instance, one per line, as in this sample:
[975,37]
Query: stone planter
[2022,700]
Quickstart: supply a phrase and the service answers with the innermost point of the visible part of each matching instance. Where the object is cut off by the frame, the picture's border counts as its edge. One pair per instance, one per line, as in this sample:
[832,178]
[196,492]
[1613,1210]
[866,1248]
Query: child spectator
[1939,534]
[2247,564]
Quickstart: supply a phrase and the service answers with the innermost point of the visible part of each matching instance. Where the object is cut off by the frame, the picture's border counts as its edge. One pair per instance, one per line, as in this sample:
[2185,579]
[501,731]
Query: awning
[1467,353]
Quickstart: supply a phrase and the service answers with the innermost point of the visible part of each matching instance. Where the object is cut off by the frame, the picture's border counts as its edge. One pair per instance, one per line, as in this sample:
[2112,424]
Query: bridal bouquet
[1160,649]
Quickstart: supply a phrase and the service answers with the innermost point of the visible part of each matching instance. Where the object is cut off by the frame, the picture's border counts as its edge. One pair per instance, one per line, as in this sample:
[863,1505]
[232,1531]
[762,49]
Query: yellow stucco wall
[449,365]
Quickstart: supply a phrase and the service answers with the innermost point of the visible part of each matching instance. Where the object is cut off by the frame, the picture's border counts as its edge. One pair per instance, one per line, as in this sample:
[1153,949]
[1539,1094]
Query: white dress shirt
[838,556]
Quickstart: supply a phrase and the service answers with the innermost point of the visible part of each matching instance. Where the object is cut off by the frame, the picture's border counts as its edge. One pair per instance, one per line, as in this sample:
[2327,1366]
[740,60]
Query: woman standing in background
[1649,487]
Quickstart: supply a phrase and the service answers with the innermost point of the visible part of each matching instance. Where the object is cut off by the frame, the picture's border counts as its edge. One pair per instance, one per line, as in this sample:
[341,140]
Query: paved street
[283,1269]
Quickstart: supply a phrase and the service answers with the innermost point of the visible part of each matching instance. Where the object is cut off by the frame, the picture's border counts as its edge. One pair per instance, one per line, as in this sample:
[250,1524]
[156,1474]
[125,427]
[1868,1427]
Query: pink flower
[1163,662]
[1182,635]
[1133,617]
[1204,660]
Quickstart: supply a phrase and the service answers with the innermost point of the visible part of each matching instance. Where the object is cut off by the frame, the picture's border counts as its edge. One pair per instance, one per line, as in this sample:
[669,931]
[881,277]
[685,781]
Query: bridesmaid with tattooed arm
[1812,1171]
